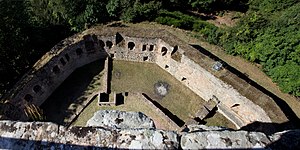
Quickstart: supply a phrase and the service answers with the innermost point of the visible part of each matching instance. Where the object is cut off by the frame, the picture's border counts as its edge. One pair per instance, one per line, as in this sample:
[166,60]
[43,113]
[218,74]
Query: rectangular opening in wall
[56,69]
[63,62]
[145,58]
[112,55]
[144,47]
[67,57]
[151,48]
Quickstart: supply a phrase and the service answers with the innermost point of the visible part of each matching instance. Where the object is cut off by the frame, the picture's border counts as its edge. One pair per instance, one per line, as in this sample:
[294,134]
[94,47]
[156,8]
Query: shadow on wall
[285,108]
[173,117]
[269,128]
[57,106]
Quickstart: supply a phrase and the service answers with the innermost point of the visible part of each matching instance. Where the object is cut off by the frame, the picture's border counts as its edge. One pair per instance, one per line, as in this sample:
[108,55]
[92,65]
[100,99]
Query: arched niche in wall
[62,61]
[144,47]
[67,57]
[101,44]
[131,45]
[109,44]
[174,50]
[151,47]
[164,51]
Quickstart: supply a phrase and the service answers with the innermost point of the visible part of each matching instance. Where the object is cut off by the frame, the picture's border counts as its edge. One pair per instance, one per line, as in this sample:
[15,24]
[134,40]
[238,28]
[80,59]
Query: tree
[14,54]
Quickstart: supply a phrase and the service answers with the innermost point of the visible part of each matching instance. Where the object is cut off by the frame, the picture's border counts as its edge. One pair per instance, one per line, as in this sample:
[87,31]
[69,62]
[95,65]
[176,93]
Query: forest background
[267,32]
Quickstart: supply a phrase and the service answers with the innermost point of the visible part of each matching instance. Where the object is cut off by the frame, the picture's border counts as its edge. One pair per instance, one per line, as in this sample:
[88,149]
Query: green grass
[141,77]
[131,104]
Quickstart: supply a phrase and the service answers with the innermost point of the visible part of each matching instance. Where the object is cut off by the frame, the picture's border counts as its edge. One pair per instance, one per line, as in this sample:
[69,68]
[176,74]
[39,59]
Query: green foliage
[183,21]
[270,5]
[287,77]
[271,39]
[203,5]
[76,14]
[133,10]
[14,54]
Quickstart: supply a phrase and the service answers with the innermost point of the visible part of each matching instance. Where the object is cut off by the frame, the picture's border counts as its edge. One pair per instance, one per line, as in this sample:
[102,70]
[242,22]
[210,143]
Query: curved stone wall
[153,46]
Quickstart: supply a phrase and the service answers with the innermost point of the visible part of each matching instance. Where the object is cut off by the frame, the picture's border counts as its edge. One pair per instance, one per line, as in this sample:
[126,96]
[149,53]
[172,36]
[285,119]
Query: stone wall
[154,46]
[53,68]
[38,135]
[206,85]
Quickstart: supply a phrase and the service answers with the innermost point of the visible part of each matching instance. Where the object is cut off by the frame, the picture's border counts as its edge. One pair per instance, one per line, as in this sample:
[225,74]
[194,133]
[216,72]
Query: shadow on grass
[69,93]
[173,117]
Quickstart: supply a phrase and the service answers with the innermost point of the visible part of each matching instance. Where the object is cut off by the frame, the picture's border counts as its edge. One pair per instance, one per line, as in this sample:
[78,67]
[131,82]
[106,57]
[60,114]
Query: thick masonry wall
[40,82]
[135,49]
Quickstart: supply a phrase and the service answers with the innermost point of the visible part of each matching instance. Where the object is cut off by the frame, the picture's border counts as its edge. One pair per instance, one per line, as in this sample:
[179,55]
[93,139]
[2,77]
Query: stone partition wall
[181,60]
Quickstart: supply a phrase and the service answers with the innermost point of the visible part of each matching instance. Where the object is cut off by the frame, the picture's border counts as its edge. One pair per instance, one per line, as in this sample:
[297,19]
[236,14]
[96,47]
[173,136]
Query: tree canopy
[267,34]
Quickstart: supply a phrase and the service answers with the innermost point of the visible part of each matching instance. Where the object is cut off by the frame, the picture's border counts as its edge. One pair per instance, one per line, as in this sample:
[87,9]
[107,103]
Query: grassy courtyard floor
[141,77]
[126,77]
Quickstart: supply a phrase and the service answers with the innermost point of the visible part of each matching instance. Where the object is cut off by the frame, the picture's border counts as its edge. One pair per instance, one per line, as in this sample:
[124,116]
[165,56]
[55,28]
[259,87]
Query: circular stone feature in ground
[117,74]
[161,88]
